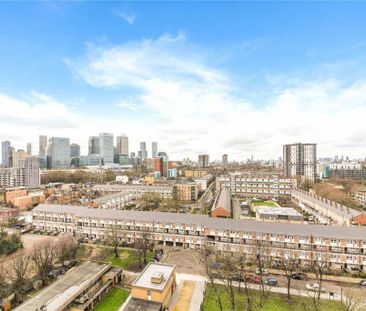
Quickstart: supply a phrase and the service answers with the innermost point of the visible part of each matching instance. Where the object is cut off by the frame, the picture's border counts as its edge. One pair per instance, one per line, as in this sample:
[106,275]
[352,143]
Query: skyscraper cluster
[60,153]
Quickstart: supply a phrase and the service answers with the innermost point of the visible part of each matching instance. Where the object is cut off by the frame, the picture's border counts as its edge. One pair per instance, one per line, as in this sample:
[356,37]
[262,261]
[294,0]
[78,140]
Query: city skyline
[237,84]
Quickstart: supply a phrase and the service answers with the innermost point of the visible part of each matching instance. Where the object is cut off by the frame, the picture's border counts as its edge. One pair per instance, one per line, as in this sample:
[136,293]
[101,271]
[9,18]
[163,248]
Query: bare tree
[44,255]
[290,265]
[67,246]
[149,201]
[262,261]
[212,276]
[351,300]
[319,267]
[143,243]
[19,275]
[115,238]
[3,284]
[227,271]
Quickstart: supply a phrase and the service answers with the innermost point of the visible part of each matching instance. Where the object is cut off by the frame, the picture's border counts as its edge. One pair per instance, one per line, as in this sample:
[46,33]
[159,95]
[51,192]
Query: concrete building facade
[299,160]
[340,247]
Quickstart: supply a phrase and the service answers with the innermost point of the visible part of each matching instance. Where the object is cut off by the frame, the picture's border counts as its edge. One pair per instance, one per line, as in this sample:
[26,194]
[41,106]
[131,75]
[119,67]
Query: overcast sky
[198,77]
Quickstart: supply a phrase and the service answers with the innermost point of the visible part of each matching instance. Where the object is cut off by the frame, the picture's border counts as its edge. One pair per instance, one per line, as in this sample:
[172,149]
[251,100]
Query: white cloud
[129,18]
[196,107]
[177,96]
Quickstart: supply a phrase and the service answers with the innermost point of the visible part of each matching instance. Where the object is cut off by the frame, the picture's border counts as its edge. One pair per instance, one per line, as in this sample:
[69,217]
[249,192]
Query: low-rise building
[113,201]
[326,211]
[154,286]
[7,214]
[203,182]
[253,185]
[222,205]
[14,192]
[123,179]
[185,192]
[163,191]
[195,173]
[340,247]
[29,201]
[78,290]
[278,214]
[360,197]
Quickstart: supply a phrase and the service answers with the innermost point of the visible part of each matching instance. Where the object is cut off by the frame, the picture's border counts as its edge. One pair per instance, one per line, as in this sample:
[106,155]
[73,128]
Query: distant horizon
[246,79]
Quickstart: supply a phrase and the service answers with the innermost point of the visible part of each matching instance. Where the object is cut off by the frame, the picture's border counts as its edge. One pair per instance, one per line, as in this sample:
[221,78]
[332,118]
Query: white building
[123,179]
[299,160]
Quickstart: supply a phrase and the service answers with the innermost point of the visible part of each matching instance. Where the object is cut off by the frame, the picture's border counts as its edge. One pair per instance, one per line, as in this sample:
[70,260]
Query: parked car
[216,265]
[271,282]
[264,271]
[314,287]
[250,278]
[238,277]
[363,283]
[299,276]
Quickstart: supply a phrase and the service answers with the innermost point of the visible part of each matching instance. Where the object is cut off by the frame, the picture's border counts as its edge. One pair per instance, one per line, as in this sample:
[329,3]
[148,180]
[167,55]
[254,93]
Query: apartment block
[299,160]
[185,192]
[195,173]
[340,247]
[164,191]
[252,185]
[113,201]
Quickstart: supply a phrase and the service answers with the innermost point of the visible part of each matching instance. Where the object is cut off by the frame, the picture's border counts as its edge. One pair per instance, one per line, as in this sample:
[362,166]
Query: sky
[212,77]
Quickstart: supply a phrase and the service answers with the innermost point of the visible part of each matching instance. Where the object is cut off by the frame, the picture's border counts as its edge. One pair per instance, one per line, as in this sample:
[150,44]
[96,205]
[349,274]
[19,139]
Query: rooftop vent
[157,277]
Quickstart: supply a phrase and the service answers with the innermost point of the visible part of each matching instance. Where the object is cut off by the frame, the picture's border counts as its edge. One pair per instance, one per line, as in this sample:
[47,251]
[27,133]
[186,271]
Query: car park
[271,282]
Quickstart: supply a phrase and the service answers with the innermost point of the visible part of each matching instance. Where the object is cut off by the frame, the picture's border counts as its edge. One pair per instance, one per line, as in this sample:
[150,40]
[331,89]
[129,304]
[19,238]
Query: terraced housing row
[341,247]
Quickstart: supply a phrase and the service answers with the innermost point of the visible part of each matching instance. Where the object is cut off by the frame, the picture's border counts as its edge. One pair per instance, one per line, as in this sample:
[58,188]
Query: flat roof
[266,210]
[134,187]
[111,197]
[66,289]
[136,304]
[245,225]
[154,269]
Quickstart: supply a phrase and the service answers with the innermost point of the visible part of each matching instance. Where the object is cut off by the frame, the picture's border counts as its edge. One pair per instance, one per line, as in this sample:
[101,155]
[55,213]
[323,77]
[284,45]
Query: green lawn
[276,302]
[114,299]
[128,259]
[264,203]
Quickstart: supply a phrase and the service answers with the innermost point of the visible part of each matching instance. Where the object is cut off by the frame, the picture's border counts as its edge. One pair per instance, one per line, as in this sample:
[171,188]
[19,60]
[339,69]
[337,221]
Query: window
[148,295]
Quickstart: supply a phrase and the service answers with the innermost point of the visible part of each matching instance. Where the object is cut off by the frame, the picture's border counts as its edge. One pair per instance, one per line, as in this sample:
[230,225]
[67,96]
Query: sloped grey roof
[336,232]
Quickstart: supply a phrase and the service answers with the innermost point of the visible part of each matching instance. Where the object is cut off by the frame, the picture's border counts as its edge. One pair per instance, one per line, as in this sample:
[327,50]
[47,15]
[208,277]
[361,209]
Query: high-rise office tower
[106,148]
[29,149]
[299,160]
[203,160]
[5,153]
[122,144]
[154,149]
[59,152]
[42,145]
[93,145]
[225,160]
[74,150]
[143,151]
